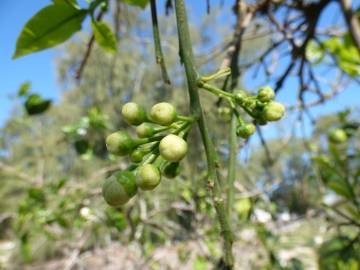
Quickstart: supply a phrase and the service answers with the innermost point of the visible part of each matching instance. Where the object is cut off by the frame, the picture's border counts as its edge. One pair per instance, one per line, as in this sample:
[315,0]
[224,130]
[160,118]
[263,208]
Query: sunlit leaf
[340,188]
[314,53]
[104,36]
[69,2]
[49,27]
[24,89]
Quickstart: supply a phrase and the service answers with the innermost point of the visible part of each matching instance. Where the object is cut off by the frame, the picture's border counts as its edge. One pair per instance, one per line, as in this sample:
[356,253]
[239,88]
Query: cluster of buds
[260,107]
[159,147]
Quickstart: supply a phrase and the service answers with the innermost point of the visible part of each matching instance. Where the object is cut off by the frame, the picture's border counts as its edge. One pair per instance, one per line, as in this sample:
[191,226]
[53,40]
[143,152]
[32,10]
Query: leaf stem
[215,90]
[187,58]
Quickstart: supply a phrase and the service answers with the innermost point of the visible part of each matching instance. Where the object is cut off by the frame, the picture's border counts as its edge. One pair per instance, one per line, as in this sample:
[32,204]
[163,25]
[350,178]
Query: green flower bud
[337,136]
[148,177]
[273,111]
[240,95]
[245,130]
[119,188]
[137,155]
[265,94]
[133,113]
[173,148]
[145,130]
[163,113]
[171,170]
[120,143]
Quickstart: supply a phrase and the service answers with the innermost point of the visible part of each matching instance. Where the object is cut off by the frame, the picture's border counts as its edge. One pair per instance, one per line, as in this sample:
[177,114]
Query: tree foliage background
[296,200]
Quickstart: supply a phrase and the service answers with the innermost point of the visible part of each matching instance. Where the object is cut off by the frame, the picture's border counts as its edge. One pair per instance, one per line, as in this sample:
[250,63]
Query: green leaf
[243,207]
[24,89]
[345,52]
[104,36]
[35,104]
[200,263]
[314,53]
[139,3]
[49,27]
[72,3]
[340,188]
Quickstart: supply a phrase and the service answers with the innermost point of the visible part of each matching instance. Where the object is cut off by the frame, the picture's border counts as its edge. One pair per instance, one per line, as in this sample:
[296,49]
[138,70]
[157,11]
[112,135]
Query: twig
[187,58]
[89,47]
[157,43]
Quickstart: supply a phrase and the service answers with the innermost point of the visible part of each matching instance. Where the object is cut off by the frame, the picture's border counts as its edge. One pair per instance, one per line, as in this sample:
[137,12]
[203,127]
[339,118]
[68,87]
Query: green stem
[157,43]
[231,174]
[215,90]
[187,58]
[185,118]
[221,73]
[139,142]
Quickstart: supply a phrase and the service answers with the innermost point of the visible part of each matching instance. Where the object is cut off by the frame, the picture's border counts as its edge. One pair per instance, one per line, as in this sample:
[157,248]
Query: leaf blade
[51,26]
[104,36]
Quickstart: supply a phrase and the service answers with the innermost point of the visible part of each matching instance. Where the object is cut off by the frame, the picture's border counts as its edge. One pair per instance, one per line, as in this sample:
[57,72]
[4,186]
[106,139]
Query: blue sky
[39,68]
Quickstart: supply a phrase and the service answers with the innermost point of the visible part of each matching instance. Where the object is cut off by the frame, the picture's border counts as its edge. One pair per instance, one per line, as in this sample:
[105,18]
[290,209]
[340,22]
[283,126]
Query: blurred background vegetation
[296,200]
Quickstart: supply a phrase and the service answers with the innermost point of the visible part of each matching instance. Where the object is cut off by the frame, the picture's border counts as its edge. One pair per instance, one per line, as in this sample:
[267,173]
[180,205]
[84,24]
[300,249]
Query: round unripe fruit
[163,113]
[120,143]
[266,94]
[137,156]
[172,169]
[119,188]
[148,177]
[337,136]
[173,148]
[145,130]
[133,113]
[245,130]
[273,111]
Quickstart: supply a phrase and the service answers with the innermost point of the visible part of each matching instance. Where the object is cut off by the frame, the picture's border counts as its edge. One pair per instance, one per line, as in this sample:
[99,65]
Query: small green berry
[120,143]
[273,111]
[119,188]
[148,177]
[173,148]
[265,94]
[145,130]
[133,113]
[172,169]
[245,130]
[163,113]
[337,136]
[137,155]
